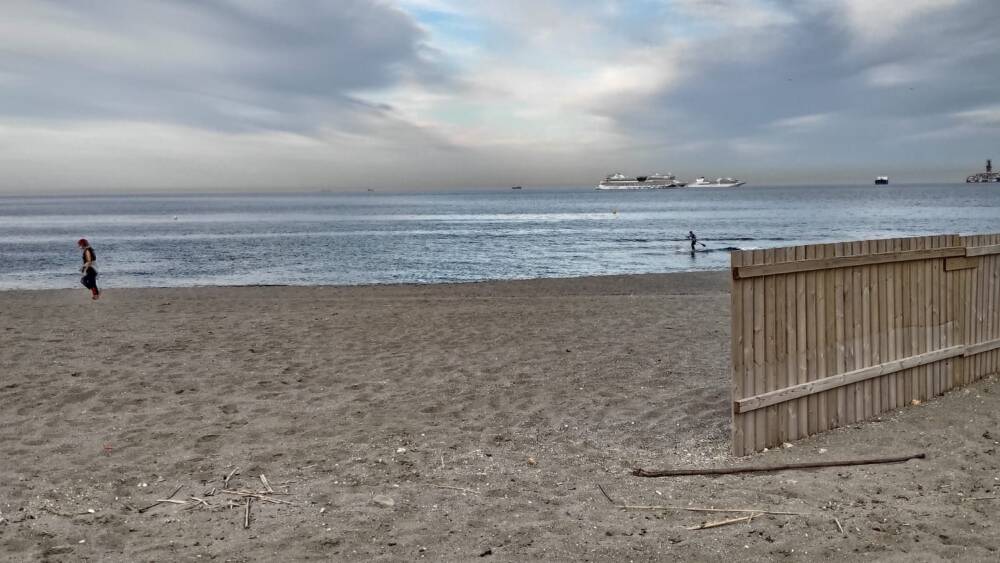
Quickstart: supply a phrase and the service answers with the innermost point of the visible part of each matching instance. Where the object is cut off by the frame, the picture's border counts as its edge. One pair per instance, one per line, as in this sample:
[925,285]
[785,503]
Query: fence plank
[791,336]
[900,300]
[865,259]
[811,388]
[770,348]
[830,332]
[736,347]
[800,319]
[982,249]
[748,382]
[759,352]
[781,344]
[840,361]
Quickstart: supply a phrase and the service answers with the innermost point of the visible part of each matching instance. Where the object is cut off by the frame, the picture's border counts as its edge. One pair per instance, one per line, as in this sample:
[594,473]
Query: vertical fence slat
[748,371]
[770,348]
[811,371]
[781,345]
[830,330]
[759,352]
[819,324]
[736,348]
[800,320]
[898,323]
[838,289]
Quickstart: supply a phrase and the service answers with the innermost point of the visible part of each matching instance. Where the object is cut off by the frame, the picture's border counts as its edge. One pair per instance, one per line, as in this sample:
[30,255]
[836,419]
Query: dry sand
[486,413]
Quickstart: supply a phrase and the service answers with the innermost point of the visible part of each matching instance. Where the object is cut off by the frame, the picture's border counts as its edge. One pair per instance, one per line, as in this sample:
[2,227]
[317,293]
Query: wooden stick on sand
[639,472]
[706,525]
[225,482]
[246,516]
[455,488]
[161,501]
[756,511]
[267,486]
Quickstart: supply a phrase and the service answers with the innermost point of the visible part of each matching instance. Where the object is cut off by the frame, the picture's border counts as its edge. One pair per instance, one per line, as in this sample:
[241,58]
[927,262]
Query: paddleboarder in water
[694,240]
[89,277]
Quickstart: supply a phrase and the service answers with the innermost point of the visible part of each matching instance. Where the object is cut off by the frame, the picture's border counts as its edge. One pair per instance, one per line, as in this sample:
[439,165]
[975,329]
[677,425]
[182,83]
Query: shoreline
[377,284]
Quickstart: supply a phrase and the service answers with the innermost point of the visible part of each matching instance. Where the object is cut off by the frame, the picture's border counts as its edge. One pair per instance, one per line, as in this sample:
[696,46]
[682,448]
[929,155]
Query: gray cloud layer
[355,93]
[207,63]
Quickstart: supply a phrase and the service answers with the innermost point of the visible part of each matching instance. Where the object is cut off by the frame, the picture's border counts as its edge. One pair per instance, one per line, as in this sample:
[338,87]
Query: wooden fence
[825,335]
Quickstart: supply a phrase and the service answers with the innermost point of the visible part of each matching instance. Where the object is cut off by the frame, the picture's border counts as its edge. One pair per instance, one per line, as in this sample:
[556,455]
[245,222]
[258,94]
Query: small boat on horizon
[718,183]
[881,180]
[515,187]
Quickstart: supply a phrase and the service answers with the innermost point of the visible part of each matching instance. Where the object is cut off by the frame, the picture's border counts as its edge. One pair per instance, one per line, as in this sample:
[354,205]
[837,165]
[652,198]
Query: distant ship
[984,177]
[618,181]
[718,183]
[515,187]
[881,180]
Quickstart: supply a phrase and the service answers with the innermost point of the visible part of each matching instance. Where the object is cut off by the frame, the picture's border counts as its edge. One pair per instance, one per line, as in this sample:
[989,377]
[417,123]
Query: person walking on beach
[89,277]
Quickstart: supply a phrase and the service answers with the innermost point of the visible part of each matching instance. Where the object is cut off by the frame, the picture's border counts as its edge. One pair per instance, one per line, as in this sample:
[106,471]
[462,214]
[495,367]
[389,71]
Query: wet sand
[486,414]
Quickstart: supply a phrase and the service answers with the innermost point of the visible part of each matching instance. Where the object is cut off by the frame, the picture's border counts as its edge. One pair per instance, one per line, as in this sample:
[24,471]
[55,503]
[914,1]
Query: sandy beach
[443,422]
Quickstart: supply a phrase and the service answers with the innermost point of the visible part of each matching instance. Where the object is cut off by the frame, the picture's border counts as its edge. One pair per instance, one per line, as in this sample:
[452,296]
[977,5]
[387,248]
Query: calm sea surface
[309,239]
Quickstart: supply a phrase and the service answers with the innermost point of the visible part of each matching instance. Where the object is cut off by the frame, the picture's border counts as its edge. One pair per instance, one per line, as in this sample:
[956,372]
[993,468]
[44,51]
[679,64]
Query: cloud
[803,122]
[449,93]
[215,64]
[988,116]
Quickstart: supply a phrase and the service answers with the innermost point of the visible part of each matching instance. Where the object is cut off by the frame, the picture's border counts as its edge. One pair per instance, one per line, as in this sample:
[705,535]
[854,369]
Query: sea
[454,236]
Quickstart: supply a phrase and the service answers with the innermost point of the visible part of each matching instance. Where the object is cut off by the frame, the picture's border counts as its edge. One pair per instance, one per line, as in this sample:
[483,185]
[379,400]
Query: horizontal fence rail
[831,334]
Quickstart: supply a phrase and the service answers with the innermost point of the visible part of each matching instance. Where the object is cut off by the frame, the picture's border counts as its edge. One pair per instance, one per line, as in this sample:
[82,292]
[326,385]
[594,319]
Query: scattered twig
[256,495]
[639,472]
[982,498]
[839,527]
[246,516]
[705,525]
[225,482]
[202,501]
[267,486]
[455,488]
[693,509]
[157,503]
[599,486]
[171,501]
[57,513]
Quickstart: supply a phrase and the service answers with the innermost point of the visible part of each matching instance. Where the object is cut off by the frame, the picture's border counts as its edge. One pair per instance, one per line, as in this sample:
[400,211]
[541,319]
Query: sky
[182,95]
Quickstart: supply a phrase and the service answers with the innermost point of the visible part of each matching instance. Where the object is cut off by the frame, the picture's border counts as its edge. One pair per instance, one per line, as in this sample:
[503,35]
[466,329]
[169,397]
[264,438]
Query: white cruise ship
[618,181]
[718,183]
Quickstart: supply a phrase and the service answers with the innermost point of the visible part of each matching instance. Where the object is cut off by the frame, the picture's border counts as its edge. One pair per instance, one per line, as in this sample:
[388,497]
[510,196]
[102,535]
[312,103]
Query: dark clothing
[89,279]
[694,239]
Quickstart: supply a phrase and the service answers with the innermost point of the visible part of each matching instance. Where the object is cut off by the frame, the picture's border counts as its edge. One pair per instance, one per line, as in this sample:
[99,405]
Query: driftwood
[695,509]
[267,485]
[253,494]
[639,472]
[225,482]
[161,501]
[705,525]
[246,516]
[463,489]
